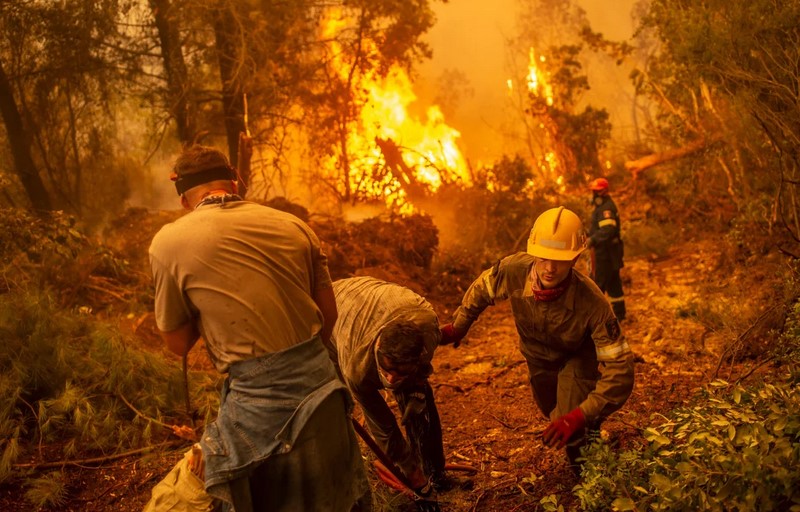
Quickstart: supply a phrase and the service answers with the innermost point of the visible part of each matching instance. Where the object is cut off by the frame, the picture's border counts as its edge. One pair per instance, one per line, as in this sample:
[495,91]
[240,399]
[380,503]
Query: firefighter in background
[579,366]
[606,245]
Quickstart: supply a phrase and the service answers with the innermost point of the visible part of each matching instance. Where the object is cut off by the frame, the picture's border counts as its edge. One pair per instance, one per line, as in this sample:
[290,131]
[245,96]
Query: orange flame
[537,82]
[429,146]
[538,85]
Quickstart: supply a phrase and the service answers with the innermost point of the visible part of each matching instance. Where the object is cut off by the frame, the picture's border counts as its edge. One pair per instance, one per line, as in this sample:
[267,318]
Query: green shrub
[45,234]
[49,490]
[736,449]
[66,377]
[47,252]
[787,349]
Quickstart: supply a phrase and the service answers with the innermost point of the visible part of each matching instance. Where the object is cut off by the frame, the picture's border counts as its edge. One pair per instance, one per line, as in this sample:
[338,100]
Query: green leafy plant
[787,349]
[550,504]
[38,236]
[67,377]
[736,448]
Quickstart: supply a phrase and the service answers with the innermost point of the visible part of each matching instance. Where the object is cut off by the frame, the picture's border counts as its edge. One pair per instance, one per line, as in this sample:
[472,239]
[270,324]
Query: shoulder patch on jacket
[613,330]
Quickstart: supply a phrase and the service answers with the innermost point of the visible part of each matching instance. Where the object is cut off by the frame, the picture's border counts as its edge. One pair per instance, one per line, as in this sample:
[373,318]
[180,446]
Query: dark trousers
[422,424]
[606,275]
[295,481]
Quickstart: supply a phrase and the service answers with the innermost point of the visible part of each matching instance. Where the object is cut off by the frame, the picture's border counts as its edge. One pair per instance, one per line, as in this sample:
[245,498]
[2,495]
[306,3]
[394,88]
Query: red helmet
[599,185]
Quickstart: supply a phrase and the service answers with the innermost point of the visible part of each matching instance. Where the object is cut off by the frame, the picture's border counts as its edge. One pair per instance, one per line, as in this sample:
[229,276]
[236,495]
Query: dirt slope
[487,410]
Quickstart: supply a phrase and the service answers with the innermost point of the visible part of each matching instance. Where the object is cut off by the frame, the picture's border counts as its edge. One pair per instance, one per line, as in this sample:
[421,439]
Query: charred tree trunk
[20,147]
[181,108]
[400,169]
[345,161]
[75,197]
[227,34]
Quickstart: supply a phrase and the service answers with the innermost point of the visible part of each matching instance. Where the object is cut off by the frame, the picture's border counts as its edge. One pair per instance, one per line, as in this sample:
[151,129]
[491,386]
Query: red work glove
[451,335]
[559,431]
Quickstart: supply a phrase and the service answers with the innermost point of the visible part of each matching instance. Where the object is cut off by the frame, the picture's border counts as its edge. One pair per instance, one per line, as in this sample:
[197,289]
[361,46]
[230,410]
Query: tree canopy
[725,78]
[76,76]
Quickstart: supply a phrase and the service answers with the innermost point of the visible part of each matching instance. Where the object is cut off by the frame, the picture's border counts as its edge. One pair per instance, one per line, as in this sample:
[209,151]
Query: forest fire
[540,90]
[535,79]
[540,87]
[107,385]
[389,154]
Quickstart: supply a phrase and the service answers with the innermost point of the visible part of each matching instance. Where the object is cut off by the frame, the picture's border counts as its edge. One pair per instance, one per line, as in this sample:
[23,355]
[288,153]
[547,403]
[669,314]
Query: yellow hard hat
[557,235]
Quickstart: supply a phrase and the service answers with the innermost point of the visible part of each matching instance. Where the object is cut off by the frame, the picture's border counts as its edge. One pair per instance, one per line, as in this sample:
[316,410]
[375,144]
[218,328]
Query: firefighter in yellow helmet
[606,246]
[579,365]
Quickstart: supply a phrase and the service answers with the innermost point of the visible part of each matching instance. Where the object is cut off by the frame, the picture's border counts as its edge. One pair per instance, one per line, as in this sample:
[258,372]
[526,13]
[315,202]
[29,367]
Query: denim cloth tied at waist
[265,403]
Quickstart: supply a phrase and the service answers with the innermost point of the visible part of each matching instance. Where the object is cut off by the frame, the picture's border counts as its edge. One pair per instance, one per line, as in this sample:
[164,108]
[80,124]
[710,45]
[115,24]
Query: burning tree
[572,139]
[563,139]
[369,144]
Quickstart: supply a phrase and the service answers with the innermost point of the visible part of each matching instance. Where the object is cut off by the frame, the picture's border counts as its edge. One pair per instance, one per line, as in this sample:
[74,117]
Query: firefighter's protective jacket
[604,238]
[578,324]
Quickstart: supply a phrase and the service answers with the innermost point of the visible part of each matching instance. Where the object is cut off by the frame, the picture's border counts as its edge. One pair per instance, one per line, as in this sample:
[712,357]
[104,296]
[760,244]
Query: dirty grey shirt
[365,306]
[245,273]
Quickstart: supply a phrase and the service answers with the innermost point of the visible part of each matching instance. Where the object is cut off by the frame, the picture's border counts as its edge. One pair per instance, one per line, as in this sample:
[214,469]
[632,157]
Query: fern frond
[47,491]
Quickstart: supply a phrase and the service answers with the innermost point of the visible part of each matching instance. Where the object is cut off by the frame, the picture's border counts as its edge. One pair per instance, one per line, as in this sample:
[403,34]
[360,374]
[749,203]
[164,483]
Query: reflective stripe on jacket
[604,232]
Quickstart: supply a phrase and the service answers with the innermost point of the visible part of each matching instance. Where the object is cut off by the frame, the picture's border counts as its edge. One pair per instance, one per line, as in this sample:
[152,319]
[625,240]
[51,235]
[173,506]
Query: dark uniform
[607,252]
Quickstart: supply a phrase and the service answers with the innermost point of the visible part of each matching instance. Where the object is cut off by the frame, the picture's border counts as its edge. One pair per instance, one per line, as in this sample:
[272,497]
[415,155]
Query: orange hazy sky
[470,36]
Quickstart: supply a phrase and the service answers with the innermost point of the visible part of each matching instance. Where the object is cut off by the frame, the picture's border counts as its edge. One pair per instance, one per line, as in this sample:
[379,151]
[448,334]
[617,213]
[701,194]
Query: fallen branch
[639,165]
[462,457]
[475,505]
[182,431]
[503,422]
[105,291]
[739,339]
[460,467]
[399,169]
[94,460]
[627,424]
[109,287]
[754,368]
[456,387]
